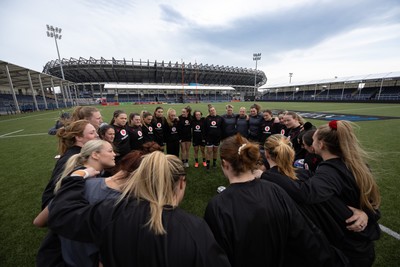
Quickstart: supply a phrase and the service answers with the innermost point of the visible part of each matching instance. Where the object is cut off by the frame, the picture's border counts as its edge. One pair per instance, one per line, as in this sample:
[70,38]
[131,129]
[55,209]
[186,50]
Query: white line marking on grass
[11,133]
[23,135]
[389,232]
[30,116]
[352,109]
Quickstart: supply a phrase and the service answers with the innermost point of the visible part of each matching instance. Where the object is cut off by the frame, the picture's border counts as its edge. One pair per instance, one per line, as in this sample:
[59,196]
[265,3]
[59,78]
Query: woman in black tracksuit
[280,128]
[136,138]
[342,181]
[294,125]
[185,134]
[229,117]
[198,137]
[255,120]
[267,126]
[147,128]
[171,134]
[121,140]
[242,122]
[158,123]
[213,133]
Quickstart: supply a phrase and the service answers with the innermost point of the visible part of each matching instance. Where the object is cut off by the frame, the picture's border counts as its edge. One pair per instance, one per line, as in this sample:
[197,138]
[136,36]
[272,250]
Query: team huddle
[297,196]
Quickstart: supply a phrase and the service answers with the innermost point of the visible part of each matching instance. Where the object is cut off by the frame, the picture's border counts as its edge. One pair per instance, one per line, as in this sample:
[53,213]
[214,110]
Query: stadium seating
[26,103]
[347,94]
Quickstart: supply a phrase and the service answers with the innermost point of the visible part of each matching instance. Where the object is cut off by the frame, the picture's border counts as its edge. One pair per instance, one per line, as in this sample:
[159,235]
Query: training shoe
[220,189]
[204,164]
[186,165]
[196,165]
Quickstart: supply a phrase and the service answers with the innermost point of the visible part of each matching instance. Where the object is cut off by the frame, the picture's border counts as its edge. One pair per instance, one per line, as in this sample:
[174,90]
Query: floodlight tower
[256,57]
[290,77]
[56,34]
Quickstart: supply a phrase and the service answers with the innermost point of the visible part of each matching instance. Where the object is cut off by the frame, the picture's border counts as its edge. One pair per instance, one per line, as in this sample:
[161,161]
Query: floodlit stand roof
[350,79]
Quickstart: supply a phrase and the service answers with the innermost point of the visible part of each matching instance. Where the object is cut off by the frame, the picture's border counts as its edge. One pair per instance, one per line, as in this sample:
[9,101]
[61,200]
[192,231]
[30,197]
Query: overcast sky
[313,39]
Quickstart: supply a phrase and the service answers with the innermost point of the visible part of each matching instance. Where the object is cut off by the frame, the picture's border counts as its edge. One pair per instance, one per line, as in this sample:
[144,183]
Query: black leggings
[173,148]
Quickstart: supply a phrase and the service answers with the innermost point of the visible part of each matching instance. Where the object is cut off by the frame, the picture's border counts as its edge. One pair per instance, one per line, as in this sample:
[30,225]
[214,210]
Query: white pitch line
[29,116]
[23,135]
[389,232]
[11,133]
[353,109]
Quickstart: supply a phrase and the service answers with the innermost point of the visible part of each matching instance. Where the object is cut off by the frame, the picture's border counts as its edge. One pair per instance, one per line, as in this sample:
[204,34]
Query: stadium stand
[383,87]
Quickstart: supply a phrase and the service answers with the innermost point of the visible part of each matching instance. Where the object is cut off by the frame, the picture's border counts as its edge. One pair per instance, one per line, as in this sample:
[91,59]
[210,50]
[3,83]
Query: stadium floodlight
[54,32]
[256,57]
[290,77]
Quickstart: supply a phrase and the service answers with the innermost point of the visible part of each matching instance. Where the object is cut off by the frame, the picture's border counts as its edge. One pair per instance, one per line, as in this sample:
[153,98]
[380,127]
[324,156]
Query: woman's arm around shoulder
[70,208]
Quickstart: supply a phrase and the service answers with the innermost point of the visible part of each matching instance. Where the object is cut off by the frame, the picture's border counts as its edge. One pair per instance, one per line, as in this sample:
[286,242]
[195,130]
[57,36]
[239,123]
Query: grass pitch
[27,159]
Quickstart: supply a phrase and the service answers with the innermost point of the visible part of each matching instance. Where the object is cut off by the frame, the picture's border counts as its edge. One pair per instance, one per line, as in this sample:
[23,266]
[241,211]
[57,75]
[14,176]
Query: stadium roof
[20,77]
[350,79]
[147,72]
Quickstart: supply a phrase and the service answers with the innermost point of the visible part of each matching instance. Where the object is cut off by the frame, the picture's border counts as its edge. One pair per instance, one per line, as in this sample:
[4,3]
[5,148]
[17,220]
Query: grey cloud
[294,28]
[170,14]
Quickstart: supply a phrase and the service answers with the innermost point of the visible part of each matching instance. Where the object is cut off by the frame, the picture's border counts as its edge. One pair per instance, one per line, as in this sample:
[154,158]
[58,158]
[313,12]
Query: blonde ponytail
[282,153]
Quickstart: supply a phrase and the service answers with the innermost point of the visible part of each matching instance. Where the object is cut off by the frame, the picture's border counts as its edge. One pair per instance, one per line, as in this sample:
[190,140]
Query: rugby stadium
[85,80]
[91,81]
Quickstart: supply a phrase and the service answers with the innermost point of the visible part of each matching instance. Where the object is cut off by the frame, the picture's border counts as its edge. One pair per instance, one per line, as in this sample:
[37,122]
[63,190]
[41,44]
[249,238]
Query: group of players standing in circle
[269,215]
[178,133]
